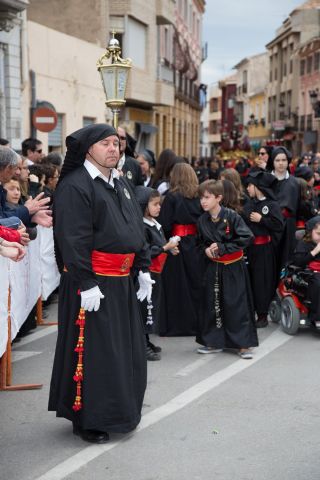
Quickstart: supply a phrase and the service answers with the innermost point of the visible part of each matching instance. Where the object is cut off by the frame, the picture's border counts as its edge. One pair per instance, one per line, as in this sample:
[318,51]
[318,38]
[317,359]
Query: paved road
[205,417]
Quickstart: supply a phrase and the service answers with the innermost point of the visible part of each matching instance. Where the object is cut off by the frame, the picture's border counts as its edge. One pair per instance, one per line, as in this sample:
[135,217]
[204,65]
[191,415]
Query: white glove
[90,299]
[145,286]
[175,239]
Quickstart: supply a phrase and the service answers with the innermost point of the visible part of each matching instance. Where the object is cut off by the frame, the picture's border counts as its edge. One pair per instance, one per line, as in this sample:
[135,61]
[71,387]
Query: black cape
[91,215]
[181,275]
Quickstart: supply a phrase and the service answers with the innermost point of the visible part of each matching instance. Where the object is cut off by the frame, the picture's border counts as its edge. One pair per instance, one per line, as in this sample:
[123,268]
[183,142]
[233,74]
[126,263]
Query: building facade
[181,122]
[13,76]
[302,25]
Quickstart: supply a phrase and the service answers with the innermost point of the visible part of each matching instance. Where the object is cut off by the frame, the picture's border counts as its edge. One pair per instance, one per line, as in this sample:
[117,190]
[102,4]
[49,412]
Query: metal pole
[115,119]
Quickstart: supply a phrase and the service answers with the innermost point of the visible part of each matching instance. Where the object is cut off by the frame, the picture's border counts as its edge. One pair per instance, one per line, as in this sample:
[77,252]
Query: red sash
[314,265]
[157,263]
[229,257]
[261,239]
[184,230]
[112,264]
[300,224]
[286,213]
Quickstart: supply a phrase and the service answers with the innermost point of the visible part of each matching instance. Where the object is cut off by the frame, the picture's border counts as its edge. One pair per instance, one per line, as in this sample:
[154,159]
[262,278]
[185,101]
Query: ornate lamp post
[114,72]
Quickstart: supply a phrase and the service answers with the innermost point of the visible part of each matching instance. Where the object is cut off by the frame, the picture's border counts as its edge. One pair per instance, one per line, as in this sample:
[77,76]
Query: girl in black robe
[99,378]
[287,191]
[149,200]
[307,255]
[181,276]
[227,312]
[263,216]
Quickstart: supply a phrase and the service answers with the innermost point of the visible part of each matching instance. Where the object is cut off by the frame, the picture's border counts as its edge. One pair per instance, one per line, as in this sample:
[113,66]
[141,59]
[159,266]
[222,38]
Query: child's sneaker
[209,350]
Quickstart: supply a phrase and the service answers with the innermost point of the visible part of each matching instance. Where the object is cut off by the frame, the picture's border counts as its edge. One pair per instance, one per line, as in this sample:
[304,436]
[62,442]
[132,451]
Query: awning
[147,128]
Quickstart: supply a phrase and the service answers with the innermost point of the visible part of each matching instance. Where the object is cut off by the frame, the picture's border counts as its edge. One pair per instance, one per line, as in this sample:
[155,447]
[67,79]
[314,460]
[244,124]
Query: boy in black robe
[263,216]
[99,372]
[227,316]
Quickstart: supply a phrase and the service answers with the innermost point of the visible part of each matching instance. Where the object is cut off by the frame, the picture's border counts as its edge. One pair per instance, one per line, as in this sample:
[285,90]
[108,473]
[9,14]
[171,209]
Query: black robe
[181,276]
[226,287]
[262,263]
[132,171]
[302,257]
[91,215]
[287,192]
[155,239]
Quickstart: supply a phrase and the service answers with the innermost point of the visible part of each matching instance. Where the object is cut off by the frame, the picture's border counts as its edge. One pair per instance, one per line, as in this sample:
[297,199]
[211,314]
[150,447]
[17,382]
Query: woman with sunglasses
[262,160]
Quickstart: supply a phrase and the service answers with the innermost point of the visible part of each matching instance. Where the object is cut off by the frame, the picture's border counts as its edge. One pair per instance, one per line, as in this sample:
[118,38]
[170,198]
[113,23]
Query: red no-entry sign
[44,119]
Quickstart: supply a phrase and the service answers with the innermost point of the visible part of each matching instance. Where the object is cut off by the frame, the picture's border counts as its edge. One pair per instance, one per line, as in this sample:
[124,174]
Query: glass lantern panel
[109,82]
[122,82]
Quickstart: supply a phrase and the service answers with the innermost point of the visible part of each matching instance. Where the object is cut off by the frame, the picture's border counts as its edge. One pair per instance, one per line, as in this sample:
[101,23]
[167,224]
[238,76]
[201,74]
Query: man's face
[123,139]
[7,173]
[37,155]
[105,153]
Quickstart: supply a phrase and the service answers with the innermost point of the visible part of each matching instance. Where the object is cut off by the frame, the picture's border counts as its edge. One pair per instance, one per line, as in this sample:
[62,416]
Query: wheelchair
[290,308]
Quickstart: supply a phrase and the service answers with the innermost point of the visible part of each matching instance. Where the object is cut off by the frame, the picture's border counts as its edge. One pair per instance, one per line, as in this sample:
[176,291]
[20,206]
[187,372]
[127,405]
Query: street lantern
[114,72]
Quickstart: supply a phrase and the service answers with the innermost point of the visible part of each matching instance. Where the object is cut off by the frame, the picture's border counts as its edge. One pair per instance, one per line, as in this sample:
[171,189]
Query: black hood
[80,141]
[264,181]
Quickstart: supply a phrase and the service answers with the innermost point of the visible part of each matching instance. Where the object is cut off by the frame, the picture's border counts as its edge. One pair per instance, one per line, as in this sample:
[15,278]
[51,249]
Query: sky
[236,29]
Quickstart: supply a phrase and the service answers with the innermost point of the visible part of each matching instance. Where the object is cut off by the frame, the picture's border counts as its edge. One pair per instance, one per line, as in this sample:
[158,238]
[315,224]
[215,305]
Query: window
[213,127]
[309,122]
[214,105]
[302,67]
[136,43]
[309,64]
[302,123]
[290,58]
[317,61]
[55,137]
[284,63]
[88,121]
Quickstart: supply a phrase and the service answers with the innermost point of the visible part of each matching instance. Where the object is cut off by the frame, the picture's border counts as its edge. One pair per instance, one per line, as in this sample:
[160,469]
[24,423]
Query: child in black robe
[307,254]
[227,316]
[149,200]
[263,216]
[287,191]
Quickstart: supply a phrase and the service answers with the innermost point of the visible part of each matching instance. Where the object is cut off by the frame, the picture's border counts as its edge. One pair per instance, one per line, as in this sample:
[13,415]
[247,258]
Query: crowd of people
[162,247]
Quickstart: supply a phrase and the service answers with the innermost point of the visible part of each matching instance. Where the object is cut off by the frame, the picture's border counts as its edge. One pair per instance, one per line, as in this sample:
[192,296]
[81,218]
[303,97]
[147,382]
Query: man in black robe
[127,164]
[99,372]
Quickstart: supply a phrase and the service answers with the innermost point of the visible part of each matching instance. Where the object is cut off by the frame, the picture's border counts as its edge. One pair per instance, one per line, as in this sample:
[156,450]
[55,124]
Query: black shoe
[262,321]
[92,436]
[151,355]
[154,348]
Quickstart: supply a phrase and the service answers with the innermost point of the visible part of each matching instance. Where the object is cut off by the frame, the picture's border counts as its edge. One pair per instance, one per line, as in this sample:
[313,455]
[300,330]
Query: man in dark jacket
[127,164]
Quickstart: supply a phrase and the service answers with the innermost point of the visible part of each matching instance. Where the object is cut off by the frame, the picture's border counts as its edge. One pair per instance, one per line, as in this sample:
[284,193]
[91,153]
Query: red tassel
[78,376]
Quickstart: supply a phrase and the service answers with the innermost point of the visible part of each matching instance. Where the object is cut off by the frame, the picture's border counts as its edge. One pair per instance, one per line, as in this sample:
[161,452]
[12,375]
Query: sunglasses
[39,151]
[123,138]
[262,153]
